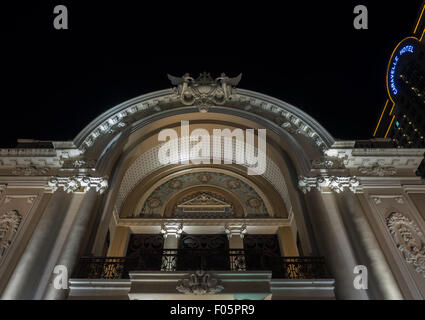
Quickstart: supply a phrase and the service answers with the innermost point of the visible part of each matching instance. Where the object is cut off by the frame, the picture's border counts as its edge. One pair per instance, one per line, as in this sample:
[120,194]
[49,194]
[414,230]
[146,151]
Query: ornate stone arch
[286,120]
[108,138]
[148,162]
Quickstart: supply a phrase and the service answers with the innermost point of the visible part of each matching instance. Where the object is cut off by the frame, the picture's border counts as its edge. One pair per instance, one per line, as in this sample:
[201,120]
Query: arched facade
[322,203]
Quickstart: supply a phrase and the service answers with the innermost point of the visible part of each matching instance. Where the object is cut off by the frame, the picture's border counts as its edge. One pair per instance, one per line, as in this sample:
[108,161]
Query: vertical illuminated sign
[394,64]
[404,48]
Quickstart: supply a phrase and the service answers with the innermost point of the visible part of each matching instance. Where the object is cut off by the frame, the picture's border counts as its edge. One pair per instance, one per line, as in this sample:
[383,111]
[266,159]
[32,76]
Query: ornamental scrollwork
[408,239]
[9,224]
[199,283]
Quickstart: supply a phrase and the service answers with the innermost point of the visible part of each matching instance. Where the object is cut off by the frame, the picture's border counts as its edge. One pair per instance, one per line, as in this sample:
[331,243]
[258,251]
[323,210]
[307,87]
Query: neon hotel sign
[392,74]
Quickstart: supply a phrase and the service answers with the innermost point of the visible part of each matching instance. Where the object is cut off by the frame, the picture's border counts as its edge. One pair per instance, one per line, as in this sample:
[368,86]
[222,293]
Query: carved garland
[409,240]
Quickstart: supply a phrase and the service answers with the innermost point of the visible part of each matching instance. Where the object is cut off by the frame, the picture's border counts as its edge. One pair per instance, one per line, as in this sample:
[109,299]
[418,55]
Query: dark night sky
[306,53]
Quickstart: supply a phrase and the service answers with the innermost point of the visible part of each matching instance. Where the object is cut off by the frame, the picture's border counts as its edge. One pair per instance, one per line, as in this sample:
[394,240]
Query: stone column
[346,238]
[382,284]
[334,242]
[171,242]
[288,246]
[235,234]
[171,232]
[74,241]
[32,264]
[118,247]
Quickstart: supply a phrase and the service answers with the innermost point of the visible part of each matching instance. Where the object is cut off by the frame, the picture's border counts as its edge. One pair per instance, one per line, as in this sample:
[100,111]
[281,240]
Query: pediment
[205,200]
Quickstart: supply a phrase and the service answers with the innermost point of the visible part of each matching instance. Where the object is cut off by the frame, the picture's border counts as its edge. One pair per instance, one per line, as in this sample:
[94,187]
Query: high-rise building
[403,117]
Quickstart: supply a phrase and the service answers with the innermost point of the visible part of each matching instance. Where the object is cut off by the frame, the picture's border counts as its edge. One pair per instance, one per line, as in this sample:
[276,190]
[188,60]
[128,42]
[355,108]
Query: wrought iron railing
[195,259]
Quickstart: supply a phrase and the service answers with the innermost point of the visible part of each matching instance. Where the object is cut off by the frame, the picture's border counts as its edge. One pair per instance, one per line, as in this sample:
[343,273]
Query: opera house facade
[104,217]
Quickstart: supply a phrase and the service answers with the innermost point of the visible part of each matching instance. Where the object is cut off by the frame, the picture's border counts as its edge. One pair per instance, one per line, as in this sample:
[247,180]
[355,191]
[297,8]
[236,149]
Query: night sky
[306,53]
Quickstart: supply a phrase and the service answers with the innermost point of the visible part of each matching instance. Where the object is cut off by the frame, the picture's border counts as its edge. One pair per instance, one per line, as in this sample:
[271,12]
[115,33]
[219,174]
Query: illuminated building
[403,117]
[125,226]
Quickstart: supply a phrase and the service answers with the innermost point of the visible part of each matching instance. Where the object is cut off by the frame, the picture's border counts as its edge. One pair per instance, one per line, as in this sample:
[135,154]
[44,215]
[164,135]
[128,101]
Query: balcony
[206,260]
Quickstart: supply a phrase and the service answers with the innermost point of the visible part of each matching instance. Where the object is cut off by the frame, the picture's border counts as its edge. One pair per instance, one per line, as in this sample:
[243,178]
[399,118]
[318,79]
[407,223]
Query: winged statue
[175,81]
[230,81]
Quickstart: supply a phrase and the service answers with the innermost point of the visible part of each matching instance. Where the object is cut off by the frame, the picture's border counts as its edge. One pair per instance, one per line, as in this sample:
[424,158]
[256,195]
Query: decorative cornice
[334,184]
[378,162]
[285,119]
[39,162]
[78,183]
[273,222]
[30,171]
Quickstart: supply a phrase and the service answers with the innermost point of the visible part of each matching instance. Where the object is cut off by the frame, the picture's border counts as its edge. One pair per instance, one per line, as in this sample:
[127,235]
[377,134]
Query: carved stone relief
[9,224]
[153,205]
[408,239]
[378,170]
[199,283]
[204,90]
[327,162]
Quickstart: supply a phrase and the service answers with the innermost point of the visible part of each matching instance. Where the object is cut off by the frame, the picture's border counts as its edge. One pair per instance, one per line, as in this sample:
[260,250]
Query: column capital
[171,229]
[333,183]
[78,183]
[235,229]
